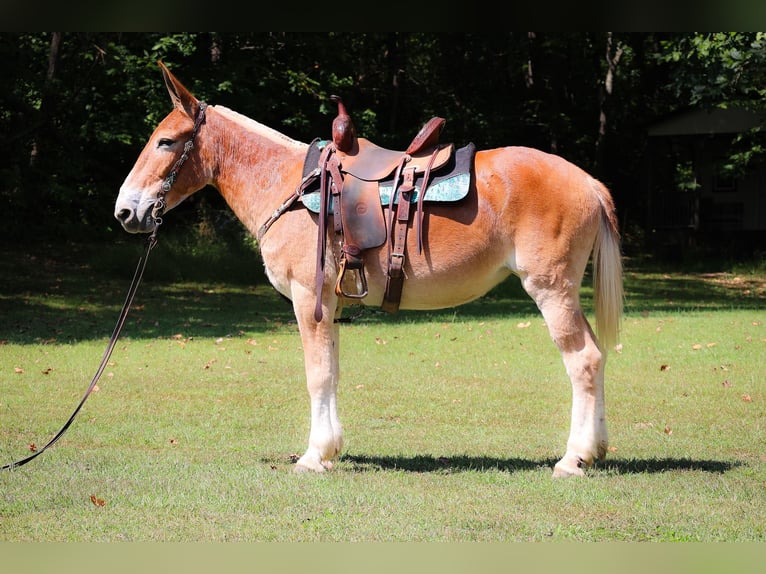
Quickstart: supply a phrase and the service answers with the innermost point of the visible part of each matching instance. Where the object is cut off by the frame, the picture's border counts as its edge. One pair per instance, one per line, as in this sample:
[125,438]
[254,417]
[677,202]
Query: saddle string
[421,197]
[157,211]
[390,215]
[324,203]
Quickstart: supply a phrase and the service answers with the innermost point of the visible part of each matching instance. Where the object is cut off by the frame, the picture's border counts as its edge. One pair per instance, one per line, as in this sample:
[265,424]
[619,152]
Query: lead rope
[107,353]
[157,211]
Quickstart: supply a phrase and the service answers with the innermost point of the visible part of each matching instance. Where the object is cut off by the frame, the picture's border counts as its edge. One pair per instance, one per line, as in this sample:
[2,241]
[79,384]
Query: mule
[528,213]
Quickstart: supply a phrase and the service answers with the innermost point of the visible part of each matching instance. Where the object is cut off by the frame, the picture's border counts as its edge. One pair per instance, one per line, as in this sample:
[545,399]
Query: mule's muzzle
[132,222]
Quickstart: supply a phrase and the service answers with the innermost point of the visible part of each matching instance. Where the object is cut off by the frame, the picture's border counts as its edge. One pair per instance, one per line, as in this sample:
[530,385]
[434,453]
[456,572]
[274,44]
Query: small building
[692,195]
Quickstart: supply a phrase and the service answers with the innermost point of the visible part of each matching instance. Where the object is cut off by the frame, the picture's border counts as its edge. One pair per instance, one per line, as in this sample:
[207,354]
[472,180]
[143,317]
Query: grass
[193,430]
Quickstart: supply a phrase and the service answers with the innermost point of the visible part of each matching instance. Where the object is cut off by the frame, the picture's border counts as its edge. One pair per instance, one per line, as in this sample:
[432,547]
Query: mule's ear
[182,99]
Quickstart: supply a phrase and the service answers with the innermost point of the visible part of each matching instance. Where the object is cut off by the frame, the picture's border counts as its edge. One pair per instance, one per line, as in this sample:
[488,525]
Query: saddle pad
[451,183]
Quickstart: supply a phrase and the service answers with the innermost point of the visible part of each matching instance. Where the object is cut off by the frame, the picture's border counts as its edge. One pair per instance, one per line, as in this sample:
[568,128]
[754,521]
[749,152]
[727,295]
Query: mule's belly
[426,290]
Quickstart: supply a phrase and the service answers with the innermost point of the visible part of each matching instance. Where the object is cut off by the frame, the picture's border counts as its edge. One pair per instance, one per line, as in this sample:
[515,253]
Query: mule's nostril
[123,215]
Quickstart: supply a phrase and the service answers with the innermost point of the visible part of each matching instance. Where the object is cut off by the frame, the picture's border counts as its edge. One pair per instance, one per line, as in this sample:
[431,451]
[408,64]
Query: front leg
[320,352]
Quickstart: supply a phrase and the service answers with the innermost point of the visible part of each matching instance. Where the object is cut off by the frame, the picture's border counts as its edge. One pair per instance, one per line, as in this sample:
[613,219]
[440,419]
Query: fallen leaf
[47,371]
[746,398]
[696,347]
[726,384]
[711,345]
[668,431]
[18,369]
[611,448]
[173,441]
[33,447]
[664,367]
[523,325]
[97,501]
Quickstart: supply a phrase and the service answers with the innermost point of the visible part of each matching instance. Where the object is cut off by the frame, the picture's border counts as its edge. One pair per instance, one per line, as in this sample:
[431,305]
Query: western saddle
[349,171]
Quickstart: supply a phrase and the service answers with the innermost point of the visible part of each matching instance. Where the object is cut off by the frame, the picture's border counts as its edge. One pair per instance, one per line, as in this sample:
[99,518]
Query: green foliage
[685,179]
[76,108]
[719,68]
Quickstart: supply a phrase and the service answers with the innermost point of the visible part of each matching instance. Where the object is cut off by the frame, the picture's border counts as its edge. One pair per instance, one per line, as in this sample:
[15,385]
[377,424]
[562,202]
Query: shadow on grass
[450,464]
[68,293]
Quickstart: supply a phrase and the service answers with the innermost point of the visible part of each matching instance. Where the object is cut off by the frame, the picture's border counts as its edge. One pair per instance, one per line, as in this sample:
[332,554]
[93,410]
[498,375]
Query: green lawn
[195,424]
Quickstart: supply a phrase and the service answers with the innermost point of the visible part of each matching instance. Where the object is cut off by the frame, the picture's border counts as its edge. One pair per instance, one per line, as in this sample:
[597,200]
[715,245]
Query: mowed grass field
[453,419]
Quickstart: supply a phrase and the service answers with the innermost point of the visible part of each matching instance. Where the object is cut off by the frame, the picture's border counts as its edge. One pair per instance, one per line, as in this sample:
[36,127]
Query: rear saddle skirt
[357,185]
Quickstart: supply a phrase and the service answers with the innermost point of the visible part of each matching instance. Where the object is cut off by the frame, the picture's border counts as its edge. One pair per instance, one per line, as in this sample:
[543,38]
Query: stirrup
[339,282]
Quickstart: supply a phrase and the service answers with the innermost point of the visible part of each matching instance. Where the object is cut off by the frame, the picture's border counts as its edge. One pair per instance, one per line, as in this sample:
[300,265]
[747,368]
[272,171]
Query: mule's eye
[165,142]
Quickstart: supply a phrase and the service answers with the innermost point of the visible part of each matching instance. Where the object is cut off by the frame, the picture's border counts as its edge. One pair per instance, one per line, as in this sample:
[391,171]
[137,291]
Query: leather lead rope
[157,212]
[107,353]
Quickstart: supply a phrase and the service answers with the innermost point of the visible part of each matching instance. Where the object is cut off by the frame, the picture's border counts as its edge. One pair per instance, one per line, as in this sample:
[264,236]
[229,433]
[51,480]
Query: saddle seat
[370,162]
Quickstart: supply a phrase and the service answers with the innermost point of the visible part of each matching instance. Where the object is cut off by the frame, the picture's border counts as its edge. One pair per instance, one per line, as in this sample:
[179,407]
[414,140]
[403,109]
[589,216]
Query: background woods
[75,109]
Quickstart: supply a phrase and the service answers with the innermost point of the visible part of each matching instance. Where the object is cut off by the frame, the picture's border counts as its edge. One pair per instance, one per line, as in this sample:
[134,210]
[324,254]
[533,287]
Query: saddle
[355,178]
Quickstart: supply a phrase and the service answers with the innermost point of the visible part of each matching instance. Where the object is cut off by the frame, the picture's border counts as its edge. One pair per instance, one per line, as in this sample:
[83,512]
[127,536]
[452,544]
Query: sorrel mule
[528,213]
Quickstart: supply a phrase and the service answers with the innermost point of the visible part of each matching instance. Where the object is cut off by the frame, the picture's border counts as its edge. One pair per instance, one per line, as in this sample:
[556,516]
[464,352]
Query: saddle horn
[343,130]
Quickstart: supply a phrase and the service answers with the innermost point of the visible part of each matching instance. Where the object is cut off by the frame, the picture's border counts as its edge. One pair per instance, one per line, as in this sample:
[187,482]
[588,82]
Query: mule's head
[139,192]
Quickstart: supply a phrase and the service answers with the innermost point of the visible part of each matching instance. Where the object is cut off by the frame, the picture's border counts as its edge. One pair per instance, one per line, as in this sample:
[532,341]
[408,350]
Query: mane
[259,128]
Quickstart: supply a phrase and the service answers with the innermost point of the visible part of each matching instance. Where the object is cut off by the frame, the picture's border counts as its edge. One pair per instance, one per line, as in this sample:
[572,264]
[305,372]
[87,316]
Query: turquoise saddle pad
[450,183]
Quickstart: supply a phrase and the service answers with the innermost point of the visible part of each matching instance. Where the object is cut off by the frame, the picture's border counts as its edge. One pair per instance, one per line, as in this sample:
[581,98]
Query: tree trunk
[613,55]
[46,98]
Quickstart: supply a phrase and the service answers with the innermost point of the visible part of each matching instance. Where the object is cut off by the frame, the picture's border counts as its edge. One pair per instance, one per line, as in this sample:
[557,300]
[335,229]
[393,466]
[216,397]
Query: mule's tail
[608,294]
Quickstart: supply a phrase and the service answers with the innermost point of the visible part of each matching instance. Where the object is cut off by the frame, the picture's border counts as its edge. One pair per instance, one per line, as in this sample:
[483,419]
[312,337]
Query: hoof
[304,465]
[566,467]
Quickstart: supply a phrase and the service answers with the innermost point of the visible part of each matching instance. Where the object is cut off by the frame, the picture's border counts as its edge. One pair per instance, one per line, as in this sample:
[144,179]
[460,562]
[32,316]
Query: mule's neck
[254,167]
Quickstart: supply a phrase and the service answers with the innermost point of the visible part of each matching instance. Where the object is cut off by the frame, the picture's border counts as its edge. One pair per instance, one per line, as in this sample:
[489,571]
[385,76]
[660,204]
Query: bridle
[159,204]
[157,211]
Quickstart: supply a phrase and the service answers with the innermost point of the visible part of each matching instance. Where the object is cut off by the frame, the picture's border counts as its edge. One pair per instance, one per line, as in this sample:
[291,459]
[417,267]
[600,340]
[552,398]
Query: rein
[157,211]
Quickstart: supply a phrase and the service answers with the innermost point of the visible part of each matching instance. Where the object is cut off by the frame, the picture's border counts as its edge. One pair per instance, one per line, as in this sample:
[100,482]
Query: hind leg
[584,363]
